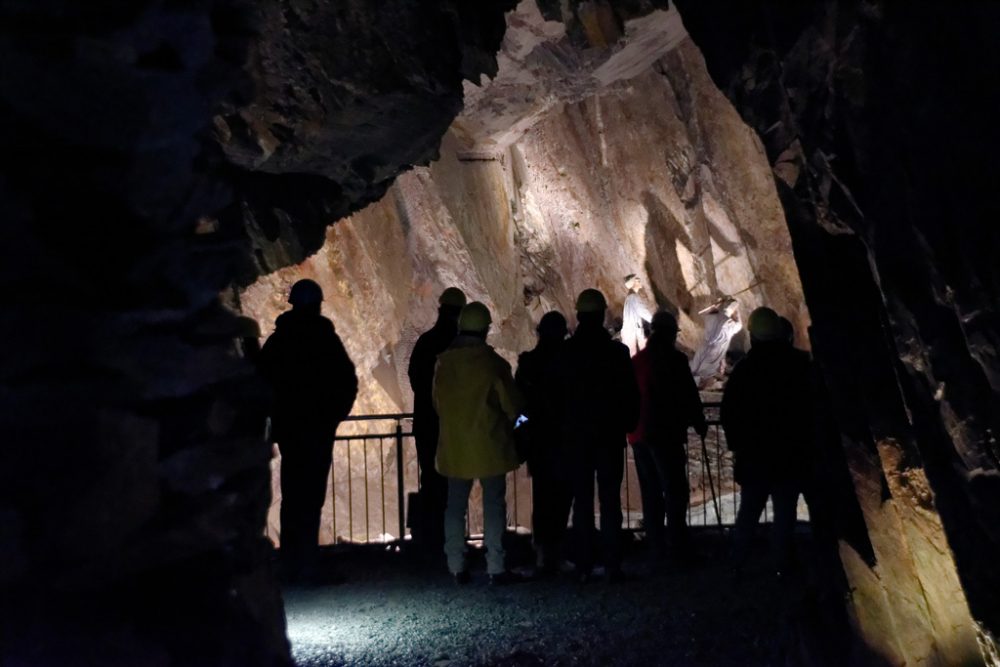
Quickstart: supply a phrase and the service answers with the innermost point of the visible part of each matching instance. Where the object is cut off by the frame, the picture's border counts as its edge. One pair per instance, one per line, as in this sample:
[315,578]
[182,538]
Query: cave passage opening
[540,191]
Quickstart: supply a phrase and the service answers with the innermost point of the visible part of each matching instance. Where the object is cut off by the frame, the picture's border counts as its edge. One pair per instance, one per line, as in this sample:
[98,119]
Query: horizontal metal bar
[399,415]
[369,436]
[723,462]
[409,415]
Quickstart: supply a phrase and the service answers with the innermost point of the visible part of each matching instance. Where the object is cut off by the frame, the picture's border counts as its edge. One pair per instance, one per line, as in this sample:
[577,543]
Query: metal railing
[388,473]
[394,439]
[375,468]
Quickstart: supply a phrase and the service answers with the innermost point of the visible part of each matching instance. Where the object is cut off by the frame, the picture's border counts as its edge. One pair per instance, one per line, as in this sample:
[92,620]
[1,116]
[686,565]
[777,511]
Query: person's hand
[701,429]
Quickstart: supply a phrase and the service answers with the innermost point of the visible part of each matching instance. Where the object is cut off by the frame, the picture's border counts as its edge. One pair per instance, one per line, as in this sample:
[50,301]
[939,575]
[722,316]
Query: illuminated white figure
[722,322]
[636,316]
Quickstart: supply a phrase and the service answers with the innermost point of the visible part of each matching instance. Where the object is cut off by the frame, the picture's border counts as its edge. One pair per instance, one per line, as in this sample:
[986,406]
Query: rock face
[339,86]
[654,175]
[874,120]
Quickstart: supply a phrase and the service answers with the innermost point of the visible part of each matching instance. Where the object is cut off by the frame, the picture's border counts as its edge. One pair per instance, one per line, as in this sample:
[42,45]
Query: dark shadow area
[664,269]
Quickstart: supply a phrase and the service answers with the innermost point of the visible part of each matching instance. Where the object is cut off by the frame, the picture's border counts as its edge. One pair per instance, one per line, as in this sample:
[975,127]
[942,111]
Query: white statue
[722,322]
[636,316]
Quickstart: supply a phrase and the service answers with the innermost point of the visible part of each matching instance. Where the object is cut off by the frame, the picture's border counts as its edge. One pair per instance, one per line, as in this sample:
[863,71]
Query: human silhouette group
[575,401]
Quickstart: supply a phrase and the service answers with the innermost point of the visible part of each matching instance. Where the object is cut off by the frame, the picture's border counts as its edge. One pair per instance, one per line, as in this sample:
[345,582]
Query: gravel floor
[391,612]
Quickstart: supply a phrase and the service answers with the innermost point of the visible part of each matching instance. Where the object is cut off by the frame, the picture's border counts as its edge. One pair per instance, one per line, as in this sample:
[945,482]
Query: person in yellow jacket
[477,404]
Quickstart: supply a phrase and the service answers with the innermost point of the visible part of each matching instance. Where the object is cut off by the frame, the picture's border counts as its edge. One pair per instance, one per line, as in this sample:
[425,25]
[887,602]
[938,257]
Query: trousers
[753,499]
[494,520]
[663,485]
[551,498]
[305,469]
[429,526]
[606,463]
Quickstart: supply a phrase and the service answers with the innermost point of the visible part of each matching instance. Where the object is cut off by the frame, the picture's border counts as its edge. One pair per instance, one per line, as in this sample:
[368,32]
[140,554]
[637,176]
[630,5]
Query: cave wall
[346,95]
[878,120]
[655,174]
[133,475]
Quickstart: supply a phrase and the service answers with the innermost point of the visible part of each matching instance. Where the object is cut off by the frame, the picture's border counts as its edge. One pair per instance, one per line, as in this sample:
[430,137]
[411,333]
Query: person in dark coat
[428,522]
[669,405]
[767,414]
[551,491]
[314,387]
[600,405]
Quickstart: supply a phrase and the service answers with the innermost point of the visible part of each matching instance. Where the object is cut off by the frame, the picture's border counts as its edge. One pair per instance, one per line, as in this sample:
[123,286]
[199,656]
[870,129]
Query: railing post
[400,491]
[628,496]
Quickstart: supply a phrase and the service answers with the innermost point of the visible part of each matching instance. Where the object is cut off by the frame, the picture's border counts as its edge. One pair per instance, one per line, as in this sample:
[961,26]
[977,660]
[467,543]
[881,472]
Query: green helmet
[474,317]
[591,301]
[765,325]
[452,297]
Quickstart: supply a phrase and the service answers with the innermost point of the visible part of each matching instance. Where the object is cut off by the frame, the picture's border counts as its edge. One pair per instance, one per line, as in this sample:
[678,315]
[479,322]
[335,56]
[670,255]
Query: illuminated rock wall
[656,176]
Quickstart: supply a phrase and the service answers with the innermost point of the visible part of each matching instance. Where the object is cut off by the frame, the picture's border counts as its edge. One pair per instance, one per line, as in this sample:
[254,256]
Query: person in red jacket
[669,403]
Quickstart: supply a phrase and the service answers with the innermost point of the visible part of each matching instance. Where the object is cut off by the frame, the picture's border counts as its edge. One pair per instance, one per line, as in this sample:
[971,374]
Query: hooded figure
[722,322]
[636,317]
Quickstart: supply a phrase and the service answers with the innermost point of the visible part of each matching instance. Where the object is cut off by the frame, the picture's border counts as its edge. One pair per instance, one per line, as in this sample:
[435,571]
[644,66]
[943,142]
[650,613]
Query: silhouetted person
[767,417]
[600,404]
[819,480]
[428,525]
[669,404]
[551,490]
[787,331]
[636,316]
[314,388]
[478,403]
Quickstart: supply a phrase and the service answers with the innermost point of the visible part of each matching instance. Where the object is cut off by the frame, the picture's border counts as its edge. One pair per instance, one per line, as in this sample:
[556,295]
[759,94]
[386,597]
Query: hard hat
[552,325]
[474,317]
[452,297]
[664,322]
[591,301]
[305,292]
[765,326]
